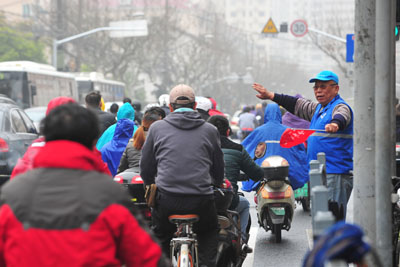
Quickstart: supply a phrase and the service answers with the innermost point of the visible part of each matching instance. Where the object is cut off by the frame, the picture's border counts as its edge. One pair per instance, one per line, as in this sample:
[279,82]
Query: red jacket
[25,163]
[214,111]
[65,212]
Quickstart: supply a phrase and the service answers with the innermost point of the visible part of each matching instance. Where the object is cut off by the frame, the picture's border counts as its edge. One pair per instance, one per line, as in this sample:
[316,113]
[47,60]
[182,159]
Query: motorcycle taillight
[137,180]
[118,179]
[3,145]
[275,195]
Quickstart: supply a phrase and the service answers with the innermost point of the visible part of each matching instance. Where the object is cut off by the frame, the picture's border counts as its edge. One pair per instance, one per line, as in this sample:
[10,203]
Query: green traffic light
[396,31]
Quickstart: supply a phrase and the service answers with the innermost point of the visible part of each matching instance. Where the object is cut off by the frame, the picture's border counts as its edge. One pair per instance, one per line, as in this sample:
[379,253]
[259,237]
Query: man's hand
[331,127]
[262,92]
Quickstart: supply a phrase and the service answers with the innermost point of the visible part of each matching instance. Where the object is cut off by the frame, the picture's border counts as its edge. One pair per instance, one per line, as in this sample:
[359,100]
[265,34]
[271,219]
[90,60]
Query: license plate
[278,211]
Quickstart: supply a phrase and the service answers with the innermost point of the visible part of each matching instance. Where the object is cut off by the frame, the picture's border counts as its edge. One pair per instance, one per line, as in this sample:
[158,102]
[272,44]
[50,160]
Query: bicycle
[183,245]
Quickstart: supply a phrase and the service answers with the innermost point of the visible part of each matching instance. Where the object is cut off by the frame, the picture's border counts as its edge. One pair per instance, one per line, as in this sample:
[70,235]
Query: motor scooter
[132,181]
[275,202]
[232,249]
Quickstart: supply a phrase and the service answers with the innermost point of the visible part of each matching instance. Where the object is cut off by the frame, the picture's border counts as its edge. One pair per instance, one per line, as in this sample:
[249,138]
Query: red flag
[294,137]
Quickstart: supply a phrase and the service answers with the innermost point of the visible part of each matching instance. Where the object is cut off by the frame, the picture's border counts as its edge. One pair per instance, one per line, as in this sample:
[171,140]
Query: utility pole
[166,73]
[364,118]
[385,145]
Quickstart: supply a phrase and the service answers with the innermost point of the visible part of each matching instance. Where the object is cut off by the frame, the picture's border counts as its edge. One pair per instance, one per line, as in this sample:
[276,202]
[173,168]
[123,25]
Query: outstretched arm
[263,93]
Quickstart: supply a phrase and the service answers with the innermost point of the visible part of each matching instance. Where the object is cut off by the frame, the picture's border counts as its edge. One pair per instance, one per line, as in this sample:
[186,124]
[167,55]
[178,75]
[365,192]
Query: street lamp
[133,28]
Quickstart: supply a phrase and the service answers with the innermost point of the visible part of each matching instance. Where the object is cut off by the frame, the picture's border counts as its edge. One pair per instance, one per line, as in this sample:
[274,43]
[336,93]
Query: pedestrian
[133,151]
[25,163]
[182,156]
[94,103]
[270,133]
[125,112]
[247,122]
[236,160]
[65,212]
[333,115]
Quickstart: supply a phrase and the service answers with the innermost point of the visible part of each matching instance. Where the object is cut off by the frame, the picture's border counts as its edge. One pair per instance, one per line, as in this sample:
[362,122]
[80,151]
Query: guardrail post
[322,218]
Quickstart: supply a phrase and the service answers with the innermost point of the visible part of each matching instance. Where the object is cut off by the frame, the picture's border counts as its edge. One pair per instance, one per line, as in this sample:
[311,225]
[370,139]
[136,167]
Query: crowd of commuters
[64,200]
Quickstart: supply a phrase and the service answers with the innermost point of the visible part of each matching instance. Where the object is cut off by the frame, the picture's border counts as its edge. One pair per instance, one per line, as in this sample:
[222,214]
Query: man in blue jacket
[333,115]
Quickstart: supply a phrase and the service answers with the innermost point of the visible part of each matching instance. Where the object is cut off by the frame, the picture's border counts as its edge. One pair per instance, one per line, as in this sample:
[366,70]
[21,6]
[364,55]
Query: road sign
[299,28]
[270,27]
[350,48]
[129,28]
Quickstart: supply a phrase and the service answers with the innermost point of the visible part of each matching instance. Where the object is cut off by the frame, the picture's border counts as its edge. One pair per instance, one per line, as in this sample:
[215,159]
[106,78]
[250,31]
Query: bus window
[11,85]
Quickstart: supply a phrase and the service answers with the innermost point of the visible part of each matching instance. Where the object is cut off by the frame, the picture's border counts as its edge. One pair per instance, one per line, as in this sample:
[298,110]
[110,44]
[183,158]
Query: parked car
[17,132]
[36,114]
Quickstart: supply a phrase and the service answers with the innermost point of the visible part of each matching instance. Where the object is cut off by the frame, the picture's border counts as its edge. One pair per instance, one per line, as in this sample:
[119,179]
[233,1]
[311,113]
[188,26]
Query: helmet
[275,168]
[203,103]
[163,100]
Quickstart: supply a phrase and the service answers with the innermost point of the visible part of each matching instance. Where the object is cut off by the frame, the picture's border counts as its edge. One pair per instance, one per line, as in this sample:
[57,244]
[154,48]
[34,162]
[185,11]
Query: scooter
[132,181]
[275,202]
[232,249]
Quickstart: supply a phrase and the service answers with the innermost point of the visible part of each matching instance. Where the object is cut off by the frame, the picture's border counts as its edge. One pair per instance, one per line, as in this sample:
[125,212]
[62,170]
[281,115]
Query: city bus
[32,84]
[111,91]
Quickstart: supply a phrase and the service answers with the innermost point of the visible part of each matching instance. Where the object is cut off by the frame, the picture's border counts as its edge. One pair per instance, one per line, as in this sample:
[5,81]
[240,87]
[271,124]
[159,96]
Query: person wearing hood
[182,155]
[293,121]
[112,151]
[270,133]
[213,110]
[126,111]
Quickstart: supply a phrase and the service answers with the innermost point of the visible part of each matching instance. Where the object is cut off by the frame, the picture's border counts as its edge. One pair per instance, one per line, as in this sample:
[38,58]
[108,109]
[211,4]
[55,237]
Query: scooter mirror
[260,150]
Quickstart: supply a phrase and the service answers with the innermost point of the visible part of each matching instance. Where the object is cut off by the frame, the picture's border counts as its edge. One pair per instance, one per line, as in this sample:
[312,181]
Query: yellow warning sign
[270,27]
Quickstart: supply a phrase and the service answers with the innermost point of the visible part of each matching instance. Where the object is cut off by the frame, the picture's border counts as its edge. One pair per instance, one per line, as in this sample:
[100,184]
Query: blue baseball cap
[325,75]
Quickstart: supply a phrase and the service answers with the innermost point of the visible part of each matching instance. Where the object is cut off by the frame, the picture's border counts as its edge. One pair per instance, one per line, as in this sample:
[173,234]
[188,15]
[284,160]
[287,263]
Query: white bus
[111,91]
[32,84]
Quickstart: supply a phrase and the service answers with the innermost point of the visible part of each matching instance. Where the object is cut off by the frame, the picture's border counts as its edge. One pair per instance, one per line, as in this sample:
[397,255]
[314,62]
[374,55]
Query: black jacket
[105,119]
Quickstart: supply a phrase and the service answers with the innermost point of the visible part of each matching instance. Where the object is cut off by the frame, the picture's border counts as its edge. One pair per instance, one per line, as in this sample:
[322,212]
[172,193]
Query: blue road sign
[350,48]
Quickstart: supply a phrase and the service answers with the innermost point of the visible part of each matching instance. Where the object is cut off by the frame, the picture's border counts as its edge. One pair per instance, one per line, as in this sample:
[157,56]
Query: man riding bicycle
[182,156]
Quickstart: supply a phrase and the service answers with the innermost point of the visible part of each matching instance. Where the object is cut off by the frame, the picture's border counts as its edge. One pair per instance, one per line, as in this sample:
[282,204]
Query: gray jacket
[130,158]
[182,155]
[247,121]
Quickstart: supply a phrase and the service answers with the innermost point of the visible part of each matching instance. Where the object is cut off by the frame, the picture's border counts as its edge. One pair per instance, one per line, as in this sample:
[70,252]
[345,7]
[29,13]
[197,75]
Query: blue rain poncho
[112,151]
[124,112]
[270,133]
